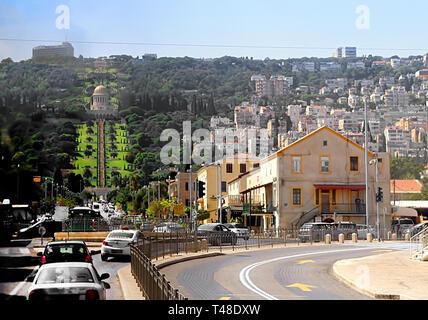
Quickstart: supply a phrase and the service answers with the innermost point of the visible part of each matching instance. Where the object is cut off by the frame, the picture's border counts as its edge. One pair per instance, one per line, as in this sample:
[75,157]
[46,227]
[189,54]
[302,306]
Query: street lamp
[375,161]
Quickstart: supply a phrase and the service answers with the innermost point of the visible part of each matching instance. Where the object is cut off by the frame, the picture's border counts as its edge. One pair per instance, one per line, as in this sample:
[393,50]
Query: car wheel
[104,257]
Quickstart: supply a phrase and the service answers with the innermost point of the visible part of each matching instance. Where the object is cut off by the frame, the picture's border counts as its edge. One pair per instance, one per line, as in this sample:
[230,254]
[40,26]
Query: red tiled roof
[410,186]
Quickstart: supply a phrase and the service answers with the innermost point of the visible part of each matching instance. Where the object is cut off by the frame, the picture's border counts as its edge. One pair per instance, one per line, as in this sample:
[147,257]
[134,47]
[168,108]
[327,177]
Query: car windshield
[65,249]
[63,274]
[121,235]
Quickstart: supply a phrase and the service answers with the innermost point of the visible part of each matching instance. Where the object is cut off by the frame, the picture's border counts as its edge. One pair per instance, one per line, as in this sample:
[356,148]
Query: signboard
[37,179]
[42,231]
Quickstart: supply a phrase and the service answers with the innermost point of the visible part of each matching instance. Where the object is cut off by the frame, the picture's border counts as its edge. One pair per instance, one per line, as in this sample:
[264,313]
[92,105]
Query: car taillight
[88,258]
[312,230]
[105,243]
[43,260]
[92,295]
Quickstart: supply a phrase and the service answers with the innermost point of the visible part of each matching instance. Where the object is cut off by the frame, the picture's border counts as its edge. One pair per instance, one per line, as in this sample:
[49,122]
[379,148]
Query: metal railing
[152,283]
[419,244]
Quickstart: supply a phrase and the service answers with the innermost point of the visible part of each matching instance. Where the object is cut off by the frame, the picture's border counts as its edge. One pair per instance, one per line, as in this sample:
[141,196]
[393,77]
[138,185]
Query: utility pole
[217,195]
[191,187]
[366,161]
[221,197]
[377,203]
[159,197]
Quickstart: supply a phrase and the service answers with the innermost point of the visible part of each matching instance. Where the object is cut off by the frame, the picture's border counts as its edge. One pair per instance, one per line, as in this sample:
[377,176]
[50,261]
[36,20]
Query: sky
[278,29]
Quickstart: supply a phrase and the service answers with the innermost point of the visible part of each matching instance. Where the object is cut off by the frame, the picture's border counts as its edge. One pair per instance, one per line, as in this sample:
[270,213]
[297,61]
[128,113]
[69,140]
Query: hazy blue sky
[314,27]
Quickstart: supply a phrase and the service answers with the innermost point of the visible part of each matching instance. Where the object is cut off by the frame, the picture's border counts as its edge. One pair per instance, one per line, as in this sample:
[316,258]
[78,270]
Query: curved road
[275,274]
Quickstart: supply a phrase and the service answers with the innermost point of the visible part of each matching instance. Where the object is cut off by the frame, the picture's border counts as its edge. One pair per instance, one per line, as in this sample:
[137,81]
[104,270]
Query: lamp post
[375,162]
[17,184]
[366,161]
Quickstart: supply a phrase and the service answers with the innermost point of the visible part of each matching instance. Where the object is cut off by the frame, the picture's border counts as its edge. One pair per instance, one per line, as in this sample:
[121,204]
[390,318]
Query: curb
[367,292]
[188,258]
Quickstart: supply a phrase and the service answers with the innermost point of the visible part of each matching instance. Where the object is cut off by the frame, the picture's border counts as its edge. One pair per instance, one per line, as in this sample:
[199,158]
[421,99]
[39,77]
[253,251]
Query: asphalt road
[300,273]
[15,267]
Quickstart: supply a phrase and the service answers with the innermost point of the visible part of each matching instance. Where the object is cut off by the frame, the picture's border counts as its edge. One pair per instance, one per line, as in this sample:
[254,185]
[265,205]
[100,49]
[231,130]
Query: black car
[33,231]
[217,233]
[82,212]
[65,251]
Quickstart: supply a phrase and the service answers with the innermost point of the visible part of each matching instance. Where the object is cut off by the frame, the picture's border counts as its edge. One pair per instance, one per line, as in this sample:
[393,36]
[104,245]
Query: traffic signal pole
[377,203]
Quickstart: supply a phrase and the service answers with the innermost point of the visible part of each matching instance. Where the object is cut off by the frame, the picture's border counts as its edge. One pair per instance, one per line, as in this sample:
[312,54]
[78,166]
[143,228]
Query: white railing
[419,244]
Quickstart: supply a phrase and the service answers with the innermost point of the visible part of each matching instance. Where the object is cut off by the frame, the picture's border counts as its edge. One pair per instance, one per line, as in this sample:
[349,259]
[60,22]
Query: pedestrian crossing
[12,251]
[386,245]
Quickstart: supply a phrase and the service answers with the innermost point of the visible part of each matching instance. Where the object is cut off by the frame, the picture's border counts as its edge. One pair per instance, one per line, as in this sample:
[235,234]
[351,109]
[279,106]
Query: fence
[152,283]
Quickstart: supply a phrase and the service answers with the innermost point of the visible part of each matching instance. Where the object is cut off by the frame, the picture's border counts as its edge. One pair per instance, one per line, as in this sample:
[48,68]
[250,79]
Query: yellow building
[319,177]
[216,176]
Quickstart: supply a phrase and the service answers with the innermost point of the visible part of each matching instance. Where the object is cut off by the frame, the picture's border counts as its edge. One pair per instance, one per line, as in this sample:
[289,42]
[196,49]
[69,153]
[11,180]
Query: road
[15,267]
[299,273]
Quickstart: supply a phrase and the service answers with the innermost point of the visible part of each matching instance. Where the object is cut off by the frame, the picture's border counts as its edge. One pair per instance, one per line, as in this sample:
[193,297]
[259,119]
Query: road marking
[305,261]
[224,298]
[244,275]
[21,284]
[301,286]
[382,250]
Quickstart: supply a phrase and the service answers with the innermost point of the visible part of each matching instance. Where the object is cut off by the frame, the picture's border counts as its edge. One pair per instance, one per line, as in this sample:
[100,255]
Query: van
[347,228]
[400,226]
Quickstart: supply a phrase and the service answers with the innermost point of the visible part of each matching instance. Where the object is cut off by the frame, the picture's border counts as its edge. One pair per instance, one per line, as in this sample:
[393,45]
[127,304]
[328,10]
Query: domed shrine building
[100,103]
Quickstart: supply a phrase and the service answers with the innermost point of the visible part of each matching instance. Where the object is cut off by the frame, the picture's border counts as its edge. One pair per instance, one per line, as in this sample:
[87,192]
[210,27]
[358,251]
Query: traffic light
[379,195]
[201,189]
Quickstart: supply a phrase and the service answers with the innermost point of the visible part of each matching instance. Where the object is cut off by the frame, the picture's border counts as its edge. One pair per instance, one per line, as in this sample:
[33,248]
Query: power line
[205,45]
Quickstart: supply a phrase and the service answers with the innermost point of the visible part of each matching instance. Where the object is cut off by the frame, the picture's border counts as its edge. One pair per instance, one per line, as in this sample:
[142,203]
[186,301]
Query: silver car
[117,243]
[68,281]
[240,230]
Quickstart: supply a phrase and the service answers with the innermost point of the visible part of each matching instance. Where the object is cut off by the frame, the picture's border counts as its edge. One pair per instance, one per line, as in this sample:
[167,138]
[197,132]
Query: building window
[324,143]
[256,165]
[296,164]
[297,196]
[187,202]
[333,196]
[325,164]
[317,197]
[229,168]
[187,186]
[353,163]
[242,168]
[223,186]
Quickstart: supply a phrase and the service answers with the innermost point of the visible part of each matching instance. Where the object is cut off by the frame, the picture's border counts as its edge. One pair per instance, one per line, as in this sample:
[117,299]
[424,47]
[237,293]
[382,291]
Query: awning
[404,212]
[329,186]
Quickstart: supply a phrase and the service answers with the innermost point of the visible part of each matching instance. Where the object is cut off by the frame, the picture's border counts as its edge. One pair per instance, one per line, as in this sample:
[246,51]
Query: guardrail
[418,243]
[152,283]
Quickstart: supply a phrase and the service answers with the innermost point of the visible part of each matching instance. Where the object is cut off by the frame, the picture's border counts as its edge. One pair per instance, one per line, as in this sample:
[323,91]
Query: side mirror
[106,285]
[39,254]
[104,276]
[92,252]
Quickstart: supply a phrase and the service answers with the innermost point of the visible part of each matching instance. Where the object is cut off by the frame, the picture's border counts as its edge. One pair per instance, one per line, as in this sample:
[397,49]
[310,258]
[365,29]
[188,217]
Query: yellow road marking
[301,286]
[305,261]
[224,298]
[382,250]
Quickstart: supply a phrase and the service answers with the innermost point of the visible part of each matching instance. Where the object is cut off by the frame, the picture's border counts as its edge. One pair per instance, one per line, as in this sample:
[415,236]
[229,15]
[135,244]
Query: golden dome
[100,90]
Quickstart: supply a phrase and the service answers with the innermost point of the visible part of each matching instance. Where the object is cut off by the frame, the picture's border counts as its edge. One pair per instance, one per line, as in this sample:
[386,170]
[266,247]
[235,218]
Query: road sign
[42,231]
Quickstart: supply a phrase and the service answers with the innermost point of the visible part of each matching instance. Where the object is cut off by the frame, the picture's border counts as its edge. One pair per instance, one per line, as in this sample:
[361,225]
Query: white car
[117,243]
[69,281]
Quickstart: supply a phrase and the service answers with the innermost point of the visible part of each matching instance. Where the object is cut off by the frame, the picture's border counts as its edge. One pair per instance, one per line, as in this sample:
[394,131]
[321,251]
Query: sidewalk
[386,276]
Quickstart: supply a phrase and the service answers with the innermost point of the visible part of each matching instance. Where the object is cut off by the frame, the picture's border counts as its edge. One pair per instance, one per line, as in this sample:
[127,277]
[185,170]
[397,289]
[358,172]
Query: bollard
[394,236]
[341,238]
[388,235]
[327,239]
[407,237]
[354,238]
[369,237]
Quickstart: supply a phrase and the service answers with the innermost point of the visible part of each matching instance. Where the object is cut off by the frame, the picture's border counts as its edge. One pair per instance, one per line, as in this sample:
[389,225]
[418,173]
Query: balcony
[343,208]
[266,208]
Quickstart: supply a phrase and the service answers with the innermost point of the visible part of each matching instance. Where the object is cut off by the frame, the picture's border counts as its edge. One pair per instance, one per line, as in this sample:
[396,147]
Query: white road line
[244,275]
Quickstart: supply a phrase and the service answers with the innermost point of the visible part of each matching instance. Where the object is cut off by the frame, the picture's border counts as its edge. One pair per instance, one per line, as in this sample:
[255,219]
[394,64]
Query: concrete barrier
[388,235]
[341,238]
[394,236]
[328,239]
[369,237]
[96,236]
[407,237]
[204,244]
[354,238]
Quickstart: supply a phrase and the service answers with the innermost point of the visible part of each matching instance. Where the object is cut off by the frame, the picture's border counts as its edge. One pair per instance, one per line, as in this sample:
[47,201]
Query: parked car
[146,226]
[346,228]
[68,281]
[240,230]
[117,243]
[362,231]
[314,231]
[217,233]
[170,227]
[65,251]
[400,226]
[51,226]
[416,229]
